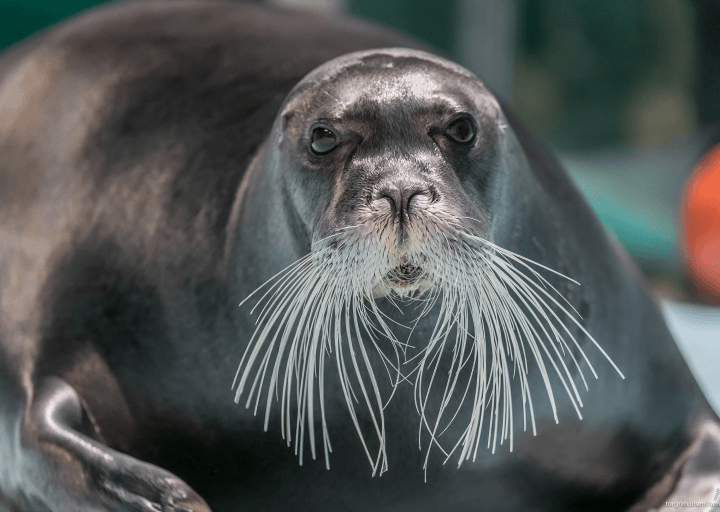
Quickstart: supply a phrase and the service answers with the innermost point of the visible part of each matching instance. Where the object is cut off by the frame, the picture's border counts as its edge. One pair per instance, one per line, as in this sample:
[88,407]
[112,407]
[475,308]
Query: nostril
[413,193]
[393,204]
[400,198]
[407,196]
[394,197]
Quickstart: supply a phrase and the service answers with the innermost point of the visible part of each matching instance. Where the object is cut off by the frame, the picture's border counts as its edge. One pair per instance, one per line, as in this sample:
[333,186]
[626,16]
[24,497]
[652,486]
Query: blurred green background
[626,91]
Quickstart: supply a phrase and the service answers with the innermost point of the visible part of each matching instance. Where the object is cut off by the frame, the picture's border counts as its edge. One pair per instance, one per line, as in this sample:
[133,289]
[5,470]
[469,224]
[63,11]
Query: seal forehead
[389,59]
[387,76]
[391,86]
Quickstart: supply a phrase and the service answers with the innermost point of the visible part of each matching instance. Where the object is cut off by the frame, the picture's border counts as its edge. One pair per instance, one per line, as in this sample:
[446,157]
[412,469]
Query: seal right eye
[323,140]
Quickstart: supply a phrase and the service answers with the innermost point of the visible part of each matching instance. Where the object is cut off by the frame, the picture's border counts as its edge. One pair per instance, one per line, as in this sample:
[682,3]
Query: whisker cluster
[494,308]
[317,307]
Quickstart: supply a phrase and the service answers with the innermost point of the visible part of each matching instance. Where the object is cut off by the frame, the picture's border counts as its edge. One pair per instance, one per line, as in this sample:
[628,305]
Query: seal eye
[323,140]
[461,130]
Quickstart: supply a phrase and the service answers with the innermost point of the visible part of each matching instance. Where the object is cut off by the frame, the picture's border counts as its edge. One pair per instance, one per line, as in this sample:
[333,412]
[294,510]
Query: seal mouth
[405,275]
[403,280]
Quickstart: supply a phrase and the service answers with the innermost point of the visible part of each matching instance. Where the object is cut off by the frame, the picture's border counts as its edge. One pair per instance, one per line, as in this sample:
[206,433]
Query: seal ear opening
[285,119]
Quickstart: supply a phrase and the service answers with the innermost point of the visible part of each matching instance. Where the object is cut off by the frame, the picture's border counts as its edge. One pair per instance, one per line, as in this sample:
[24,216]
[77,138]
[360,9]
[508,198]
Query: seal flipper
[700,475]
[84,472]
[695,477]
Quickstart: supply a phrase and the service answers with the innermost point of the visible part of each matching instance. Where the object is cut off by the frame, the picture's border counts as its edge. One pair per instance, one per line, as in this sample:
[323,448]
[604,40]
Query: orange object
[701,224]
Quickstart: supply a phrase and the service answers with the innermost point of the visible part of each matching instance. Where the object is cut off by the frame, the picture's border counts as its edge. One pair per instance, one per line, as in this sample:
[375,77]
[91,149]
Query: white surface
[697,332]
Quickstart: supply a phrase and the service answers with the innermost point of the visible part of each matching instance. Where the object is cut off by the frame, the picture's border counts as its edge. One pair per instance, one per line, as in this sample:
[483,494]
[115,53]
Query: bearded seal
[404,243]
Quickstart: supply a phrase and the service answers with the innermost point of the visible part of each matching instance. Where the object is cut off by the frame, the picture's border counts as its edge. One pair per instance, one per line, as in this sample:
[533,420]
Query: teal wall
[431,21]
[20,18]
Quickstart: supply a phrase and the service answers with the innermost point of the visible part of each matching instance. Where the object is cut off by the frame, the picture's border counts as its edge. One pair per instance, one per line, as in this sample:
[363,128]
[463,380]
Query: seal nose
[399,197]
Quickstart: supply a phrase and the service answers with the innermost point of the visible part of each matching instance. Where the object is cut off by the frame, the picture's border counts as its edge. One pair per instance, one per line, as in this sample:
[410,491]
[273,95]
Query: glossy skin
[138,207]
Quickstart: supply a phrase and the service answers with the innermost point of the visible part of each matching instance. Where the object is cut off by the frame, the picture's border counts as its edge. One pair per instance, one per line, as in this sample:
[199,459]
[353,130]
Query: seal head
[397,162]
[392,144]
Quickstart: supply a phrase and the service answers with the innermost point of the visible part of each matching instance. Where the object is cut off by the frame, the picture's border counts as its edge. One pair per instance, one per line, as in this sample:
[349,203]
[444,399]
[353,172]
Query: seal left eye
[323,140]
[461,130]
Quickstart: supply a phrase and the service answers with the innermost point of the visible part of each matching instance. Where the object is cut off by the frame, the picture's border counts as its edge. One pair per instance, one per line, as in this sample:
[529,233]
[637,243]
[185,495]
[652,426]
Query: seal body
[161,161]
